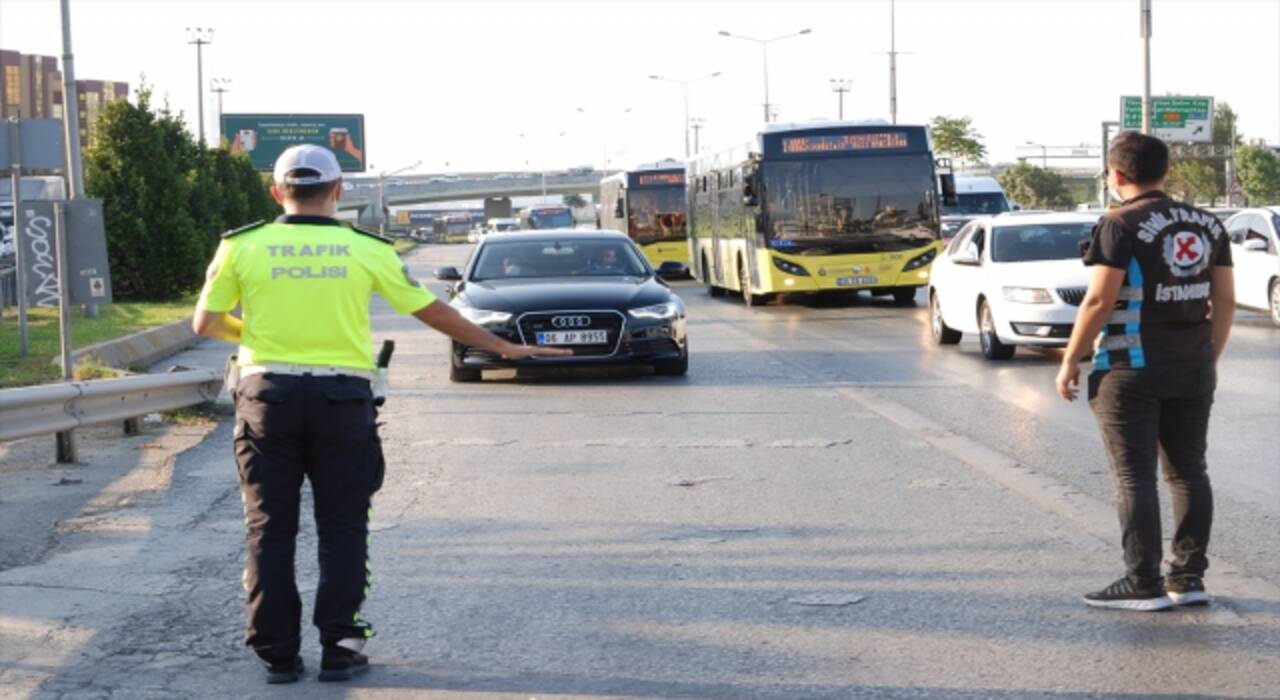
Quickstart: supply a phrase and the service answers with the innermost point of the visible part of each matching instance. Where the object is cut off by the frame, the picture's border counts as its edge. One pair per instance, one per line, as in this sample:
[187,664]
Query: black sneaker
[1186,590]
[284,671]
[339,664]
[1124,595]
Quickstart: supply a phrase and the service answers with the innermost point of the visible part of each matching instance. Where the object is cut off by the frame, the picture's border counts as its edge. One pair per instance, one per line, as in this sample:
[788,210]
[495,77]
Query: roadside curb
[142,348]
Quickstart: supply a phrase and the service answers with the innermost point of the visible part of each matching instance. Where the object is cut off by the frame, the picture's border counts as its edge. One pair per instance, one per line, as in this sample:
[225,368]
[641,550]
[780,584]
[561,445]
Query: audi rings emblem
[571,321]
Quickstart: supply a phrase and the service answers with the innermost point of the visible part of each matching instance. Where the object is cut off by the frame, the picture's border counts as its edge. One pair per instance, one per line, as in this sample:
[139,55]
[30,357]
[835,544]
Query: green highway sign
[265,136]
[1172,118]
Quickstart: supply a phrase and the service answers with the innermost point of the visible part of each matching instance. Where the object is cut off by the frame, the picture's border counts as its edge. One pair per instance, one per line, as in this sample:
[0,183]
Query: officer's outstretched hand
[519,352]
[1069,381]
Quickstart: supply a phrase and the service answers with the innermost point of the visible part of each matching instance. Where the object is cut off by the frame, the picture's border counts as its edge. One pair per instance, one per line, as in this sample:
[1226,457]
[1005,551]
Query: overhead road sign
[265,136]
[1172,118]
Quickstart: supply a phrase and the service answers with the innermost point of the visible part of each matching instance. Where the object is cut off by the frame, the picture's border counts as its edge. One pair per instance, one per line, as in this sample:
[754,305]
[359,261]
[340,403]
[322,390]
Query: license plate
[573,338]
[856,281]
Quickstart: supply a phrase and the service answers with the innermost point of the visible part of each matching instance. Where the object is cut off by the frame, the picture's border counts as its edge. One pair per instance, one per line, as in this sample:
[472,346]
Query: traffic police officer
[1159,305]
[304,403]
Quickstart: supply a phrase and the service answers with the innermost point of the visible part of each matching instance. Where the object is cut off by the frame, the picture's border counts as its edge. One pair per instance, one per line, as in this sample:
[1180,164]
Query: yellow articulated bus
[648,204]
[818,208]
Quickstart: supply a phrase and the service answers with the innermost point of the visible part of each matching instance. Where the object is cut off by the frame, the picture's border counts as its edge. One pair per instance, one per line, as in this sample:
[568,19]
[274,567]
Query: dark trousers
[324,429]
[1150,416]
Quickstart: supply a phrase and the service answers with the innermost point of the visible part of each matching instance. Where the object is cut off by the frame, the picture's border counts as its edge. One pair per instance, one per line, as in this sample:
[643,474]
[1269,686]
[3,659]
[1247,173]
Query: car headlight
[656,312]
[790,268]
[484,317]
[1028,295]
[921,260]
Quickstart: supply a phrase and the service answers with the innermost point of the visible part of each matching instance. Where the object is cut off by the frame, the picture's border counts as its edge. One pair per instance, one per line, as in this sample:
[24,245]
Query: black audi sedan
[592,291]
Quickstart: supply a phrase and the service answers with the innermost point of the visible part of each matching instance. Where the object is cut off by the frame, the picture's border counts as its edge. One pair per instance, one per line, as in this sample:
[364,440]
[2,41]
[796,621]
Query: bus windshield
[552,217]
[865,204]
[656,214]
[975,203]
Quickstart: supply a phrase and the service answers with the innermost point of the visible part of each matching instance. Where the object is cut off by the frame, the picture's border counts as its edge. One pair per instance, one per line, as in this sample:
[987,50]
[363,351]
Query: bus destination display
[837,143]
[660,179]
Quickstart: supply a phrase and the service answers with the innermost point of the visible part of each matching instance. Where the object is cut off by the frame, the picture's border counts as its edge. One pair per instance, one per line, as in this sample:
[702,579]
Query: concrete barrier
[141,348]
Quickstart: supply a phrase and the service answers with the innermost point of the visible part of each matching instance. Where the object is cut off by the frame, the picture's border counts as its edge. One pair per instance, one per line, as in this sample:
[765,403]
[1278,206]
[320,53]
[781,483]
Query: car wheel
[712,289]
[1275,301]
[674,368]
[904,296]
[992,348]
[744,279]
[942,333]
[463,375]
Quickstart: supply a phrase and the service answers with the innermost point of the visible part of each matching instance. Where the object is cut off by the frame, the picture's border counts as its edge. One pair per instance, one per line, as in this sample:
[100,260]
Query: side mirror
[948,182]
[1016,207]
[448,274]
[1254,245]
[968,256]
[618,210]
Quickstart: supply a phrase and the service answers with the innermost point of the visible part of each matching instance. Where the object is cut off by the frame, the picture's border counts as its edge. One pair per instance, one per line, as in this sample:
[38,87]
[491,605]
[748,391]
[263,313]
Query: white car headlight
[1028,295]
[657,311]
[484,317]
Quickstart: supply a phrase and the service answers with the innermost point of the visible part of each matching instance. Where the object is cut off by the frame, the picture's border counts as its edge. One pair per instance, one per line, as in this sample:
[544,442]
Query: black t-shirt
[1168,251]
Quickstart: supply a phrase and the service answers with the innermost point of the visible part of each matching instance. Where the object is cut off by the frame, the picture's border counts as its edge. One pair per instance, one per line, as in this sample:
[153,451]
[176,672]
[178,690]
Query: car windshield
[656,214]
[1029,242]
[977,203]
[557,217]
[578,257]
[849,205]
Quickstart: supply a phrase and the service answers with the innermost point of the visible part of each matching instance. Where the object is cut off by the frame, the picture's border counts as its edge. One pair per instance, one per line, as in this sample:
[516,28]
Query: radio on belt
[383,378]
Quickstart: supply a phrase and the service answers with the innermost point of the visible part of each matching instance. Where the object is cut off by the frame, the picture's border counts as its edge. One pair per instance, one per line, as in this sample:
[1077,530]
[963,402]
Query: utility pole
[840,86]
[1145,10]
[200,37]
[684,85]
[696,124]
[70,110]
[219,87]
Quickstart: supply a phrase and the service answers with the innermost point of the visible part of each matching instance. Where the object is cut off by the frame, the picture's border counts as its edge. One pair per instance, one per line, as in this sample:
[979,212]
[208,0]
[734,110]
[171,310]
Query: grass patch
[113,321]
[192,415]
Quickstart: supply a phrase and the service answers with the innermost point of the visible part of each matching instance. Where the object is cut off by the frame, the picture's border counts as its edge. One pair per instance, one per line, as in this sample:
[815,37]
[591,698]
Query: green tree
[1035,187]
[1194,181]
[575,200]
[1259,171]
[139,166]
[956,137]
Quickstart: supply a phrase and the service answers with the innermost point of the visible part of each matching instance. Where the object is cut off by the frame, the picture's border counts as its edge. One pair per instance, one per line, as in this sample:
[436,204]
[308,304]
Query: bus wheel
[904,295]
[744,279]
[712,289]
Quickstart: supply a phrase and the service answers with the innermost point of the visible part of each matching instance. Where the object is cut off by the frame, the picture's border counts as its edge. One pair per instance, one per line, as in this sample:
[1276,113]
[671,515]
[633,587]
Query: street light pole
[70,113]
[382,201]
[1145,10]
[764,45]
[200,36]
[695,124]
[893,64]
[1044,153]
[219,87]
[604,133]
[840,86]
[684,85]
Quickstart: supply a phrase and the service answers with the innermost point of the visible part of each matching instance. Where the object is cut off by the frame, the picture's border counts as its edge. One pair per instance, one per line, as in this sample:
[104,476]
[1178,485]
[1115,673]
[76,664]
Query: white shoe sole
[1189,598]
[1135,604]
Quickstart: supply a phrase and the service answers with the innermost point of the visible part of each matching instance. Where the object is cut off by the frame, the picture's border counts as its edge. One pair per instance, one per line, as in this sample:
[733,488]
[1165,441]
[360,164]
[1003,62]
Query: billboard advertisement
[265,136]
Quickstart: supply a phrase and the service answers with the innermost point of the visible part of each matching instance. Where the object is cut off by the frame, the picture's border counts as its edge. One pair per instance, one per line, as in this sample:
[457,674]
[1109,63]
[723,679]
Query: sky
[485,85]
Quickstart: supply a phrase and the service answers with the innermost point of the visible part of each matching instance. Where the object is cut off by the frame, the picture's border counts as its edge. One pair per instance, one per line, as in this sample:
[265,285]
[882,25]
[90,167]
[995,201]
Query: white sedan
[1014,279]
[1255,253]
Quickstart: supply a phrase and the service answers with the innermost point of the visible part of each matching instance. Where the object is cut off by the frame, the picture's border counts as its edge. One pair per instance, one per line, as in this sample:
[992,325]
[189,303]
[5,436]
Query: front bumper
[642,341]
[1035,324]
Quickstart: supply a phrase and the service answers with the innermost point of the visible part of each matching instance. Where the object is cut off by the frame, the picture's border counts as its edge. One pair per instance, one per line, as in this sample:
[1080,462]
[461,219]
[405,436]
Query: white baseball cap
[307,164]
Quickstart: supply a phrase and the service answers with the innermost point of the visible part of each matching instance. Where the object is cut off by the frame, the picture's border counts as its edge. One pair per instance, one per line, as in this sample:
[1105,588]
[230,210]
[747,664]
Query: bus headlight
[484,317]
[1028,295]
[921,260]
[657,312]
[790,268]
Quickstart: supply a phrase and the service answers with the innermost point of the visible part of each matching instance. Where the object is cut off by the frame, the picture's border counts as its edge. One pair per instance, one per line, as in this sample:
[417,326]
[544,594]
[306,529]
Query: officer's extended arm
[222,326]
[447,320]
[1099,302]
[1223,305]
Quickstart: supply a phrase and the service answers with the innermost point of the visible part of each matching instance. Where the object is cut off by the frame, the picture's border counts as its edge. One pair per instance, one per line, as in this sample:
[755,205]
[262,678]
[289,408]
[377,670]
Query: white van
[976,195]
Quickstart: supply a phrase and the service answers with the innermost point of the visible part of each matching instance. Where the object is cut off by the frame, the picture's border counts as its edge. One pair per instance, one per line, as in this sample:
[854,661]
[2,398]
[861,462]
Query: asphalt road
[827,506]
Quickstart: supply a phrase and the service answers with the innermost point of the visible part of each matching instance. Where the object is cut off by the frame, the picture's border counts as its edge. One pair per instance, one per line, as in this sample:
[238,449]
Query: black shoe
[284,671]
[1186,590]
[338,664]
[1124,595]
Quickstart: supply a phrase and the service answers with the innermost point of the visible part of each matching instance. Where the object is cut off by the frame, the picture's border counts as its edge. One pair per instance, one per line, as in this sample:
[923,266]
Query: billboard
[265,136]
[1172,118]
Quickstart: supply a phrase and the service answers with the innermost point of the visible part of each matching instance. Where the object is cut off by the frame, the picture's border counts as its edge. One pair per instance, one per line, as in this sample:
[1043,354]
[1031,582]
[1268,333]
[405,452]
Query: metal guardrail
[51,408]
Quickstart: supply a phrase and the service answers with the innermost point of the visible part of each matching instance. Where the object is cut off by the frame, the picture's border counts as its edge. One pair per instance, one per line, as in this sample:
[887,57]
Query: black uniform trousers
[1147,417]
[324,429]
